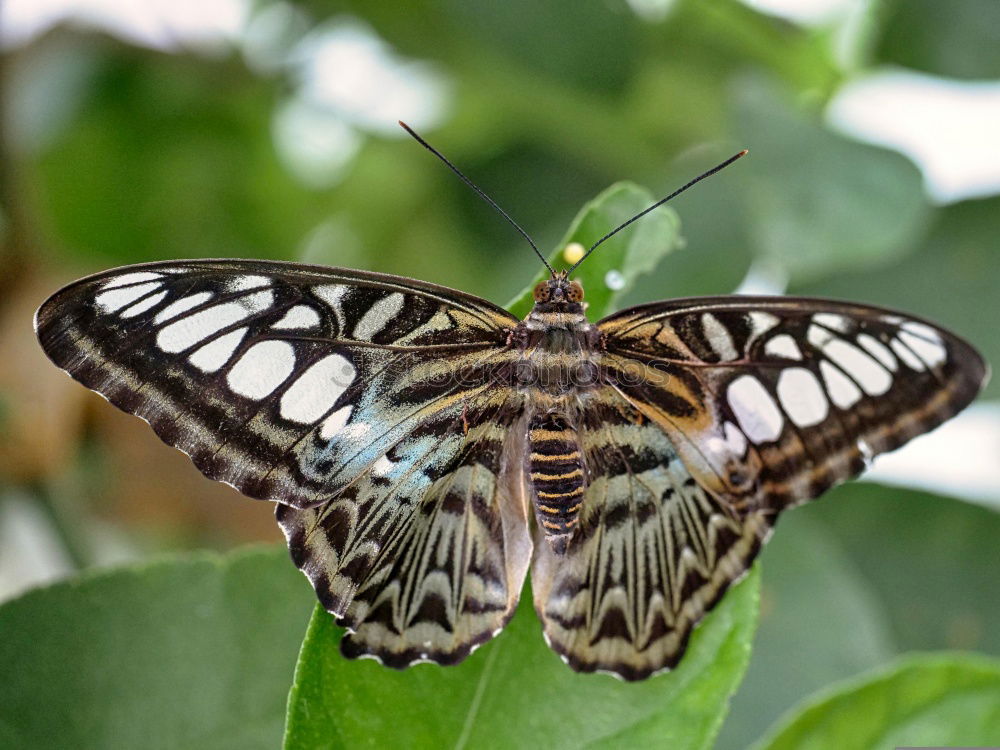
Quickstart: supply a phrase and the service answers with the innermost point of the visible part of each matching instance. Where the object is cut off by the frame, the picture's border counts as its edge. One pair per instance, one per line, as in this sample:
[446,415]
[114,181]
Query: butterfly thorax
[556,367]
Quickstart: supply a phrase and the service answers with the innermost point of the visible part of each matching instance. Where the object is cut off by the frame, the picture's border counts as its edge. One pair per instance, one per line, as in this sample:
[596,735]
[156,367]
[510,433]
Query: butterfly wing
[653,551]
[363,404]
[718,414]
[424,558]
[285,381]
[770,401]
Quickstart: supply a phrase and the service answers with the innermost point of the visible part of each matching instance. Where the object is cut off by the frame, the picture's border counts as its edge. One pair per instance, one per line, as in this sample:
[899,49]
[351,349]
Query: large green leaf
[515,692]
[619,261]
[194,652]
[927,700]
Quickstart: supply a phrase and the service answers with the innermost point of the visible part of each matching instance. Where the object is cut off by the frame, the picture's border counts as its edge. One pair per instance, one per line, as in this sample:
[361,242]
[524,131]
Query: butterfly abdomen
[557,476]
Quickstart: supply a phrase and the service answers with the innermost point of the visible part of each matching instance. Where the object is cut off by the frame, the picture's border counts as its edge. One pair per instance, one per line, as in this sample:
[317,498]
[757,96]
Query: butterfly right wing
[653,551]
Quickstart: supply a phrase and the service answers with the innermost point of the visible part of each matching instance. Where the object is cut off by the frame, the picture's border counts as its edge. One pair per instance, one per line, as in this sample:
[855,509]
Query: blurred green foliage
[111,153]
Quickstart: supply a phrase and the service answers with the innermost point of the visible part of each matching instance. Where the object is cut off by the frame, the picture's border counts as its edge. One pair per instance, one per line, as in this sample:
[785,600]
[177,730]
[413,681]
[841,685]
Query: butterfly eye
[574,292]
[542,292]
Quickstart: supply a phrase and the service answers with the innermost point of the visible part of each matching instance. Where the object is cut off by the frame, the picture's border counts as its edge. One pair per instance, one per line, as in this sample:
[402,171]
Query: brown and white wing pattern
[771,400]
[716,414]
[424,557]
[365,405]
[653,551]
[285,381]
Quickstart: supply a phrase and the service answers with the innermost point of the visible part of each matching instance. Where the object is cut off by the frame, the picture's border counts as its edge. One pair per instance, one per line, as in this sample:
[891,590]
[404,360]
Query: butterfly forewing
[285,381]
[770,401]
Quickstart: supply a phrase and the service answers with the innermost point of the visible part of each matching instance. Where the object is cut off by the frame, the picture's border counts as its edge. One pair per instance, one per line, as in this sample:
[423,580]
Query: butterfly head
[558,291]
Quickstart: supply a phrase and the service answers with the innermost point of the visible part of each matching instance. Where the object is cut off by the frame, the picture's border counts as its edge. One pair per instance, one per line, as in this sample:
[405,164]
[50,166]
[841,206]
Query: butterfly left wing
[286,381]
[424,557]
[771,400]
[363,404]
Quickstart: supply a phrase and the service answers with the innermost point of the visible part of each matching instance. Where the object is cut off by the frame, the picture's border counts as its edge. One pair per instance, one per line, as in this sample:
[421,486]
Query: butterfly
[424,447]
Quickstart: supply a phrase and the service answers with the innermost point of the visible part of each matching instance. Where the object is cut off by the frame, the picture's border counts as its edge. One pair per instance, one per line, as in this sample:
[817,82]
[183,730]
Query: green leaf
[923,700]
[194,652]
[833,636]
[958,38]
[928,564]
[515,692]
[619,261]
[899,570]
[818,202]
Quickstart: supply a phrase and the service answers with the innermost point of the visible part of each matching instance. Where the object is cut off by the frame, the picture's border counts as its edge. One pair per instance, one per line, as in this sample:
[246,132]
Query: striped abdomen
[557,477]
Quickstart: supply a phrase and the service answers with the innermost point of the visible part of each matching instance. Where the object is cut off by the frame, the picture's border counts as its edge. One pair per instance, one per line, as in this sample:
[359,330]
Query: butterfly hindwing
[424,558]
[653,552]
[286,381]
[770,401]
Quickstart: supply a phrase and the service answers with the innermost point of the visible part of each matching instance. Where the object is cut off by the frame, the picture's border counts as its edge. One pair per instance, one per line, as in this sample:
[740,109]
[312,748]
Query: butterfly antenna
[478,190]
[656,205]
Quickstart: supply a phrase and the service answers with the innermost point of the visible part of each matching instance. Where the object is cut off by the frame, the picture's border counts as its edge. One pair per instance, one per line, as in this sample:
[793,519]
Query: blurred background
[135,130]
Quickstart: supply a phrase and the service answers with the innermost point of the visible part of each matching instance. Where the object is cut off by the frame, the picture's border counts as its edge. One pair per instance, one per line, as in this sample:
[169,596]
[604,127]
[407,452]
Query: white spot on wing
[247,282]
[873,378]
[182,305]
[735,439]
[132,278]
[333,295]
[378,316]
[262,369]
[802,396]
[931,352]
[921,329]
[147,304]
[878,350]
[841,388]
[754,408]
[317,389]
[762,322]
[188,331]
[300,316]
[333,424]
[904,353]
[833,320]
[719,338]
[783,346]
[215,354]
[383,466]
[116,299]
